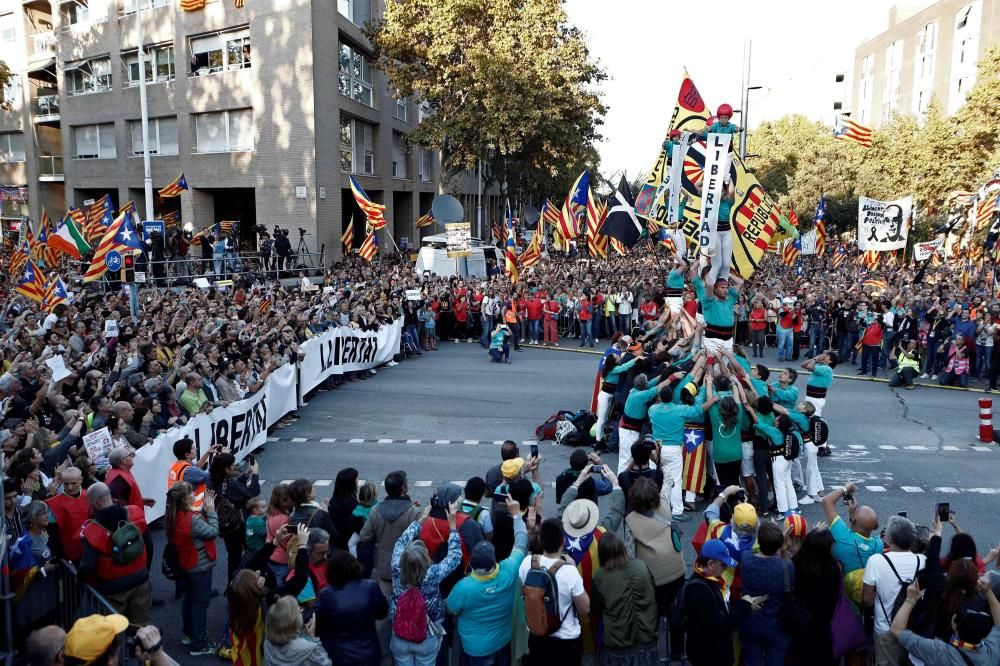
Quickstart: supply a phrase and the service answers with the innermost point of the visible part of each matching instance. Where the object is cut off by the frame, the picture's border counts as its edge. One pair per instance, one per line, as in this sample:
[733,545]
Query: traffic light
[128,269]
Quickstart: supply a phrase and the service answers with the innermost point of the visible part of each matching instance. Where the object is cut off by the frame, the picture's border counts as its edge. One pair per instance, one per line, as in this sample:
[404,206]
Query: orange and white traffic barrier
[985,420]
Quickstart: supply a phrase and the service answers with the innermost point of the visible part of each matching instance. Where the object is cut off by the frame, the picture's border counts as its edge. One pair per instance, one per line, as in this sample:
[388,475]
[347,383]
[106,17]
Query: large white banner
[676,174]
[716,161]
[240,427]
[343,349]
[922,251]
[807,243]
[883,225]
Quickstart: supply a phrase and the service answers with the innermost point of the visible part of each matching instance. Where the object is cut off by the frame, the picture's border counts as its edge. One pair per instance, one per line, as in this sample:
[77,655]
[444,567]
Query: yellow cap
[91,636]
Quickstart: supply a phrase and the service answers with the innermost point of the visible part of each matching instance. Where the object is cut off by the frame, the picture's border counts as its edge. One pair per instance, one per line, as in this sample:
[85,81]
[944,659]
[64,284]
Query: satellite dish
[530,215]
[446,209]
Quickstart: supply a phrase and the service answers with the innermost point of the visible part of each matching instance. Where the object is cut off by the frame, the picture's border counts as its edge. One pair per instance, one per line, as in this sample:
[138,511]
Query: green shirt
[675,279]
[256,532]
[719,128]
[822,376]
[637,403]
[800,420]
[668,421]
[716,312]
[727,443]
[850,548]
[618,371]
[786,397]
[192,402]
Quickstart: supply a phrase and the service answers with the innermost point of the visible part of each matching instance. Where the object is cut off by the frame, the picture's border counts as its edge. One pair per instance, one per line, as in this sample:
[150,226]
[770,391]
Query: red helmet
[725,110]
[674,133]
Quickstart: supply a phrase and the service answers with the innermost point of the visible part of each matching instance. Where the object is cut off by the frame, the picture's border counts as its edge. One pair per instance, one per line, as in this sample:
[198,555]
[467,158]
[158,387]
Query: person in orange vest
[123,582]
[195,473]
[67,512]
[124,488]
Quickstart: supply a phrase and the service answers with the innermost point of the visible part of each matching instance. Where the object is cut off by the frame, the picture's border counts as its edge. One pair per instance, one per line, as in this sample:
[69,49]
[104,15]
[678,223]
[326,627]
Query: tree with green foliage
[5,78]
[510,82]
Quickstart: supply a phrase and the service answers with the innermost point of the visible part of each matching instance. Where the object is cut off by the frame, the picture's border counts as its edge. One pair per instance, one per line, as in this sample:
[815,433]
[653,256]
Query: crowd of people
[482,576]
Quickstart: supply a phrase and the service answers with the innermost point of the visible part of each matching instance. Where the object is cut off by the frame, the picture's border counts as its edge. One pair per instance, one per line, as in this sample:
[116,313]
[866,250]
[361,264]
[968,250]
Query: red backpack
[410,623]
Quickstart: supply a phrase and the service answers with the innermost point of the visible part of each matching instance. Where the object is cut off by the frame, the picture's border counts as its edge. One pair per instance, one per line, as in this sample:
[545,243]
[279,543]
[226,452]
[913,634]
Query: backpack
[127,544]
[548,429]
[819,431]
[583,420]
[678,613]
[541,598]
[410,623]
[230,517]
[170,565]
[563,428]
[897,602]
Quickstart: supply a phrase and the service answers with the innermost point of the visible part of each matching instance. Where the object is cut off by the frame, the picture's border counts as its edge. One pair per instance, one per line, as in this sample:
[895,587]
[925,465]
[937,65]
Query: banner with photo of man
[883,225]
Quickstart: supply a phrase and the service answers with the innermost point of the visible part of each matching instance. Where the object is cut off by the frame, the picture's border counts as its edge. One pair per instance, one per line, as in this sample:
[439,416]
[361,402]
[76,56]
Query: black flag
[622,222]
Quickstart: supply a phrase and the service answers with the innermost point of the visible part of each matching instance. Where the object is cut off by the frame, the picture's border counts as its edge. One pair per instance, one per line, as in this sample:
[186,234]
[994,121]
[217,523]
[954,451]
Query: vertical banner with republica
[716,158]
[755,214]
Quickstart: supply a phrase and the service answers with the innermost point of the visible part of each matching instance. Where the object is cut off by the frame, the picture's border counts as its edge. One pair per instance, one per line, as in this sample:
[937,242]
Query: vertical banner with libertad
[716,157]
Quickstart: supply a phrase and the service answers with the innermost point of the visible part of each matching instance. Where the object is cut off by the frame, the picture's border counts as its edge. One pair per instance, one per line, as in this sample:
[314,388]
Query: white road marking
[888,447]
[984,491]
[857,446]
[946,489]
[472,441]
[323,482]
[413,441]
[911,489]
[982,448]
[917,448]
[328,440]
[385,441]
[299,439]
[950,448]
[875,489]
[442,441]
[423,484]
[274,439]
[356,441]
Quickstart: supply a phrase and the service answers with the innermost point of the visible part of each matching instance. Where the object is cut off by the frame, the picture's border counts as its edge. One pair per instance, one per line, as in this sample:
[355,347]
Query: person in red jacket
[534,308]
[68,511]
[551,308]
[124,487]
[648,309]
[434,531]
[462,319]
[871,346]
[798,319]
[758,328]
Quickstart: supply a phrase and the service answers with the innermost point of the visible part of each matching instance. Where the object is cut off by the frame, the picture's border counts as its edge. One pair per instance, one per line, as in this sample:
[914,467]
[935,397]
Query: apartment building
[265,108]
[928,51]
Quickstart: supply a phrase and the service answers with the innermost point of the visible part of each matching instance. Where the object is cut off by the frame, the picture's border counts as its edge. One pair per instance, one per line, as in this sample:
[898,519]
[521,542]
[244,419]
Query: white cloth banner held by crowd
[344,349]
[676,174]
[807,243]
[883,225]
[716,160]
[241,427]
[922,251]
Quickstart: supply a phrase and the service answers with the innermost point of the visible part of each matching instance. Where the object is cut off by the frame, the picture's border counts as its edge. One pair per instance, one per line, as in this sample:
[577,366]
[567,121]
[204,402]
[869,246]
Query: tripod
[302,249]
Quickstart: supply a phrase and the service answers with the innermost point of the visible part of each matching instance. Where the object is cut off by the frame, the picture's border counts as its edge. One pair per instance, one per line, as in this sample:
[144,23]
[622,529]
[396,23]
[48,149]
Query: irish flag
[68,238]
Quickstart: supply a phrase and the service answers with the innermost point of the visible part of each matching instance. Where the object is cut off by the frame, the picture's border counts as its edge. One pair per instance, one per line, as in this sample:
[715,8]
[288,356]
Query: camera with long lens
[302,232]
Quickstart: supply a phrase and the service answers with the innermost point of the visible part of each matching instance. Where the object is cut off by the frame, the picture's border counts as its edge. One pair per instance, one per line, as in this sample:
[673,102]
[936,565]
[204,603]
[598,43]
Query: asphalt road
[441,417]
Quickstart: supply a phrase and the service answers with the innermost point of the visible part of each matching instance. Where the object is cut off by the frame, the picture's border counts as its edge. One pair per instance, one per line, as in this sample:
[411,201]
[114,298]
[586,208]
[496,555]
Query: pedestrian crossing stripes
[528,442]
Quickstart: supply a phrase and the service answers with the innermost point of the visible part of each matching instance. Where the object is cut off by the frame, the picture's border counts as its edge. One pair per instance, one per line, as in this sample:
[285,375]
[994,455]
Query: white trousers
[715,345]
[818,403]
[722,258]
[676,304]
[814,481]
[784,491]
[626,438]
[680,243]
[746,462]
[672,466]
[603,407]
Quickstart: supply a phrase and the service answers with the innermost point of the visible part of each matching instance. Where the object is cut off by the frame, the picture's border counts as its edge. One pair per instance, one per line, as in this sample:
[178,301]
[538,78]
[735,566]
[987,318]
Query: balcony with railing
[45,108]
[50,169]
[43,45]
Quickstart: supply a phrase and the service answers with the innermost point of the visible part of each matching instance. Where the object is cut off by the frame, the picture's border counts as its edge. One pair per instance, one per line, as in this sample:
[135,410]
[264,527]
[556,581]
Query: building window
[12,147]
[158,58]
[358,11]
[423,112]
[965,53]
[426,164]
[94,142]
[162,136]
[90,76]
[400,112]
[132,6]
[923,68]
[224,131]
[357,146]
[8,29]
[865,87]
[355,75]
[891,81]
[12,89]
[74,13]
[221,51]
[838,78]
[400,155]
[837,106]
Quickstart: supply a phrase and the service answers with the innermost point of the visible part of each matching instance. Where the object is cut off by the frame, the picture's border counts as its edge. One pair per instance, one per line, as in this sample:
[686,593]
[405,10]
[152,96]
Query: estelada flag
[375,212]
[347,239]
[179,185]
[755,215]
[597,245]
[695,470]
[31,282]
[574,206]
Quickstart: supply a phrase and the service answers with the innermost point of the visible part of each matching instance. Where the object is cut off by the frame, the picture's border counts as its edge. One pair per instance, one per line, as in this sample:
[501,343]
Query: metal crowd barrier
[76,599]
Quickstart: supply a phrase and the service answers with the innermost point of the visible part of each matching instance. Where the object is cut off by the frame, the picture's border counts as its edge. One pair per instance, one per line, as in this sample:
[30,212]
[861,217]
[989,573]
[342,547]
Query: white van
[433,257]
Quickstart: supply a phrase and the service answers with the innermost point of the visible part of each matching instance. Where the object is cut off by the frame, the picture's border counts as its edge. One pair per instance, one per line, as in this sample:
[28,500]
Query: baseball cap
[714,549]
[91,636]
[744,516]
[511,468]
[484,557]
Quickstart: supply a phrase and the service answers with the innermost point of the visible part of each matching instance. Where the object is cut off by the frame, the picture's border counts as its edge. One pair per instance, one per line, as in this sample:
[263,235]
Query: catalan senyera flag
[425,220]
[46,252]
[819,221]
[557,241]
[29,238]
[695,464]
[790,255]
[31,283]
[618,247]
[55,293]
[574,206]
[533,254]
[347,238]
[936,259]
[870,259]
[374,212]
[19,258]
[369,248]
[597,245]
[755,215]
[498,233]
[510,249]
[839,256]
[192,5]
[265,306]
[180,183]
[121,236]
[984,213]
[848,130]
[874,284]
[550,213]
[965,277]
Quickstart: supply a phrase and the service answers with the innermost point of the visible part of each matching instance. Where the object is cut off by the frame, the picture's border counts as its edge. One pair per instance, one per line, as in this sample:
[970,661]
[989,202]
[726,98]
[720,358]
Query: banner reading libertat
[240,427]
[716,160]
[922,251]
[344,349]
[883,225]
